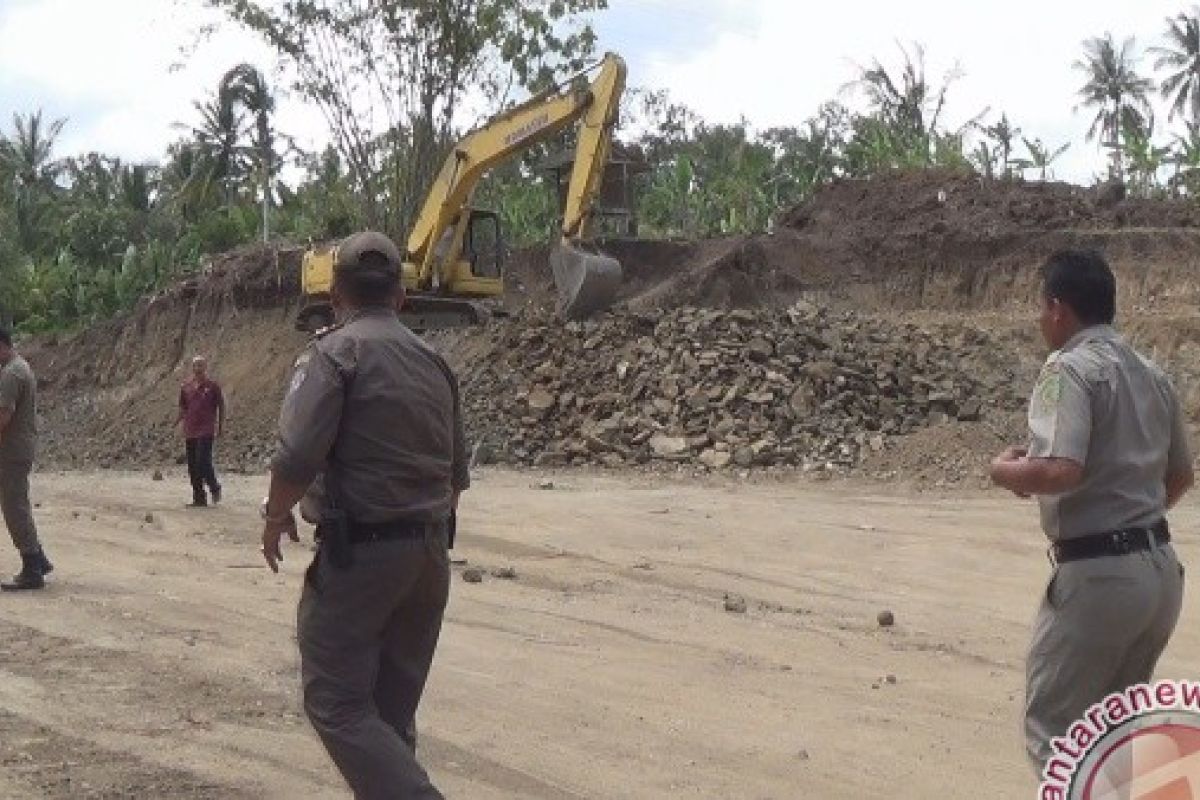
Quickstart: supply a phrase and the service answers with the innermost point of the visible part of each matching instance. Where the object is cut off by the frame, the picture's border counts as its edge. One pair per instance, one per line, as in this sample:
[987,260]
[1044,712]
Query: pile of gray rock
[804,388]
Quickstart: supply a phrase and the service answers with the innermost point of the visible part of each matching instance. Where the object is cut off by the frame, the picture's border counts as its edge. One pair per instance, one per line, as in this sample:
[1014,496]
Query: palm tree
[1004,134]
[29,152]
[1116,91]
[28,157]
[1182,57]
[907,103]
[216,138]
[186,179]
[244,85]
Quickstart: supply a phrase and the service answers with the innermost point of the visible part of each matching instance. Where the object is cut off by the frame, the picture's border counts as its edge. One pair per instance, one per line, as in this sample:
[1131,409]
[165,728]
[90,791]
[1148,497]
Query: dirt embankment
[109,393]
[931,249]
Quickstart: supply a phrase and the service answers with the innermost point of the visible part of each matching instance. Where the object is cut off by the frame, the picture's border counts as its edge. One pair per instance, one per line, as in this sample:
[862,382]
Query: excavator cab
[477,273]
[485,244]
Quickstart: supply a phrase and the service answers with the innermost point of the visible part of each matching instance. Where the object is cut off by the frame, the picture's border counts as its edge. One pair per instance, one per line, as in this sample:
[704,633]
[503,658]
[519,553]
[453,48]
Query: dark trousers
[15,505]
[201,469]
[367,635]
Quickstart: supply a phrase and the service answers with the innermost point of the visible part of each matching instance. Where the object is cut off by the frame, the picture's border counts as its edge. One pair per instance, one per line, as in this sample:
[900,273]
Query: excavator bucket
[586,282]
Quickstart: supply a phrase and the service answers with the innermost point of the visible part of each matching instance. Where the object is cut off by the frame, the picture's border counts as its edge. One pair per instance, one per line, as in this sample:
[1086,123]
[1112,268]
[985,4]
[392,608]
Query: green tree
[245,86]
[323,205]
[809,156]
[1117,93]
[1143,158]
[28,155]
[996,158]
[1185,158]
[401,70]
[217,166]
[186,183]
[906,110]
[1181,57]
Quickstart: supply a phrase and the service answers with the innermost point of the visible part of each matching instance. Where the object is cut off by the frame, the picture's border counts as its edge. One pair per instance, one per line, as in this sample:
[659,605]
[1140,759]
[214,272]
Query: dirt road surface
[161,663]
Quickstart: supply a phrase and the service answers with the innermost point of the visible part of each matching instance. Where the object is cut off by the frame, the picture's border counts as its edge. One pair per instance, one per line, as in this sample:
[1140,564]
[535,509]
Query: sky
[117,71]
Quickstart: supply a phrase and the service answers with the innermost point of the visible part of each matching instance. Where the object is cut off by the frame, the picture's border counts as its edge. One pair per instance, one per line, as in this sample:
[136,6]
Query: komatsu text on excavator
[454,256]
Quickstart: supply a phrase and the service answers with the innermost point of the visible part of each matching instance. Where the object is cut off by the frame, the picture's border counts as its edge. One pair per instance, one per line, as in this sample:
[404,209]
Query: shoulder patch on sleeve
[300,367]
[1048,390]
[323,332]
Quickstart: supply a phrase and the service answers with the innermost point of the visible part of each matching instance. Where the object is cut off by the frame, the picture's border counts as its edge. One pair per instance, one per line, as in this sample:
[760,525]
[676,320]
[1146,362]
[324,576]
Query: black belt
[1113,543]
[359,532]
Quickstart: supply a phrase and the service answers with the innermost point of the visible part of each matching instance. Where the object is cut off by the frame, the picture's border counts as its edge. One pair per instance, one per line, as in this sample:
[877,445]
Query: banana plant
[1143,159]
[1041,157]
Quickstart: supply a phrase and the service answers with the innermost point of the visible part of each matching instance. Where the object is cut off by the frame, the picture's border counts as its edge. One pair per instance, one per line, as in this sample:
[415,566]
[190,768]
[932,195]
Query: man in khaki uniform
[18,446]
[1108,456]
[376,413]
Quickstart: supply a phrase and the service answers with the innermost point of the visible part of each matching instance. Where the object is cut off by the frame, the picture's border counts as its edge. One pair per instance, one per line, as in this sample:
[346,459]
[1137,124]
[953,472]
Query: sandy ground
[162,664]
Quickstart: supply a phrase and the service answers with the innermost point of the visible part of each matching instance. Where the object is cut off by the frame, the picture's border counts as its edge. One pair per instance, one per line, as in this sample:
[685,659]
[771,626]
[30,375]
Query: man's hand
[1024,476]
[1000,464]
[273,531]
[1012,454]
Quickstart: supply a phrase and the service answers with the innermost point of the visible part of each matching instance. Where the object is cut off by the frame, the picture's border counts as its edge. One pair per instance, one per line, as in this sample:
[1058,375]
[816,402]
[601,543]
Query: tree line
[85,236]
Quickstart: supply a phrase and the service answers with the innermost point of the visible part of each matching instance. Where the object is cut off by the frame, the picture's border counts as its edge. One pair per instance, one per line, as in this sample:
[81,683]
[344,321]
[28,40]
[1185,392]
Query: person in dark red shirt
[202,413]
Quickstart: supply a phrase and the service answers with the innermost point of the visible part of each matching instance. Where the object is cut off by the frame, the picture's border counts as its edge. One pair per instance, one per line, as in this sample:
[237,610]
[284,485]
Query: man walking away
[376,412]
[18,447]
[202,413]
[1108,456]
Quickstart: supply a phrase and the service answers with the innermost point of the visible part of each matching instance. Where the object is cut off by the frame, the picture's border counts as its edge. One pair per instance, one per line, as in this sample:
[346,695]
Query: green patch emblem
[1048,391]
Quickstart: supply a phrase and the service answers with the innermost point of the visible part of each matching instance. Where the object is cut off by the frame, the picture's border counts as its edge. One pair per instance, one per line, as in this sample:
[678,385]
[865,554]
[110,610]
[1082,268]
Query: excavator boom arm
[534,121]
[592,148]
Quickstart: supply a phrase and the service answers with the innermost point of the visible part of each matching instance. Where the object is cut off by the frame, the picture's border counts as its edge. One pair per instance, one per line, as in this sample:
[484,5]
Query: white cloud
[105,63]
[109,67]
[1017,56]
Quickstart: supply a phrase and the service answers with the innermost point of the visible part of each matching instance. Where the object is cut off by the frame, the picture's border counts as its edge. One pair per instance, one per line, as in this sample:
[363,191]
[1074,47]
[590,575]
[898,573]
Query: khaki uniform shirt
[377,411]
[1103,405]
[18,394]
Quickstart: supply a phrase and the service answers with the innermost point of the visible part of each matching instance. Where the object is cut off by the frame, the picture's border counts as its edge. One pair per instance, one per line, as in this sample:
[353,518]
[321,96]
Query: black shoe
[216,495]
[43,563]
[30,576]
[199,502]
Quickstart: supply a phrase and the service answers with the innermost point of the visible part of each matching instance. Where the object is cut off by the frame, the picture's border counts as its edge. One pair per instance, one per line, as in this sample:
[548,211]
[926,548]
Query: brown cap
[351,252]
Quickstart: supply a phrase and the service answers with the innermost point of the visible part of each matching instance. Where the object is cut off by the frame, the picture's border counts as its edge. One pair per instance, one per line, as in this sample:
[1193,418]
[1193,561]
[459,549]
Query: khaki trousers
[367,635]
[1101,627]
[15,505]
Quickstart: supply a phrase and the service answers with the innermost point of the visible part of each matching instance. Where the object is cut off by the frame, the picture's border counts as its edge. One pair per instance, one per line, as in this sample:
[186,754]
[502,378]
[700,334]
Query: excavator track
[420,313]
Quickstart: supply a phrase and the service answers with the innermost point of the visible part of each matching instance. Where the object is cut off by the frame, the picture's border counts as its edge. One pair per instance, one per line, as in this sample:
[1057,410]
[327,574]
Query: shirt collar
[1092,333]
[369,311]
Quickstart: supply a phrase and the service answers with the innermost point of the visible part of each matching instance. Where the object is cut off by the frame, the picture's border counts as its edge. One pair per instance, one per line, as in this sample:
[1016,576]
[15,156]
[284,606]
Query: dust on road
[161,662]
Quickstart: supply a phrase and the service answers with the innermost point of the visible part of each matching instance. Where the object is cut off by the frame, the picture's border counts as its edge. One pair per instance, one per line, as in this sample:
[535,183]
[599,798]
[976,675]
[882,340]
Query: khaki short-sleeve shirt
[1103,405]
[18,395]
[377,413]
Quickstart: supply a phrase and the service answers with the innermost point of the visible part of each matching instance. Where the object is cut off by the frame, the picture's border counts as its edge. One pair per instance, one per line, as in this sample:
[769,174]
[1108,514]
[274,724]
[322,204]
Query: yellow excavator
[455,253]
